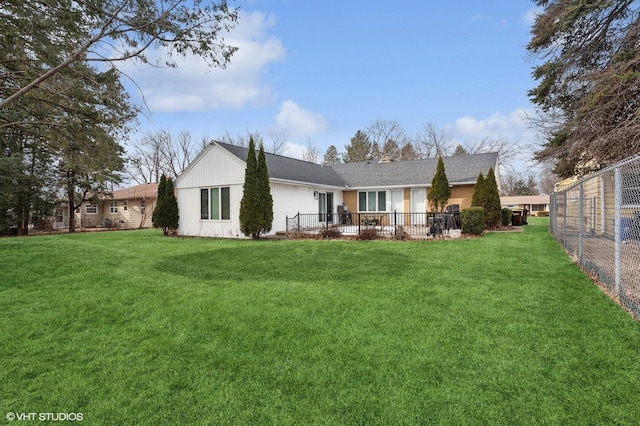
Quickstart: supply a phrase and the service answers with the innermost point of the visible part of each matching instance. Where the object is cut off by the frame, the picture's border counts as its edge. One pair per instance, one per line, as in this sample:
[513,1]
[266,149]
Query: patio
[419,225]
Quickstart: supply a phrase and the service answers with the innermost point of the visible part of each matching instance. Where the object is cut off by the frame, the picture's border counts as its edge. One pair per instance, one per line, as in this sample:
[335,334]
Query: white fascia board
[307,184]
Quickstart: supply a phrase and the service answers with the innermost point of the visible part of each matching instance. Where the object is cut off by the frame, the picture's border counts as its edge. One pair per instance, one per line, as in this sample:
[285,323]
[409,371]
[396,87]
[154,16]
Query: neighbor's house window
[215,203]
[537,207]
[125,205]
[113,208]
[372,201]
[143,206]
[91,209]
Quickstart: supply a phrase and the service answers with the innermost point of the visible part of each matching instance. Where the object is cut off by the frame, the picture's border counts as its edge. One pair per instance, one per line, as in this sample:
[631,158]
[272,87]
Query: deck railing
[386,223]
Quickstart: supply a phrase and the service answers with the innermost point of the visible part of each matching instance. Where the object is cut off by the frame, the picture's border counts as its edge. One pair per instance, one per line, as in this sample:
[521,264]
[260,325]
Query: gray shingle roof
[459,169]
[286,168]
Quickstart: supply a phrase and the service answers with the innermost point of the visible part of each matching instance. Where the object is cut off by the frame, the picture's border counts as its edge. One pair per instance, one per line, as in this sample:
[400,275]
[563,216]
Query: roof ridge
[223,144]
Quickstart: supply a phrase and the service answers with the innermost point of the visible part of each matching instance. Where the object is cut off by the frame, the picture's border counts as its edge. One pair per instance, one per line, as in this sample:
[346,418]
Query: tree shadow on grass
[258,264]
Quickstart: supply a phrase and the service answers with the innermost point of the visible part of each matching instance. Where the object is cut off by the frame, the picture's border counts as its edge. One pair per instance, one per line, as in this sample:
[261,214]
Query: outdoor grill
[452,217]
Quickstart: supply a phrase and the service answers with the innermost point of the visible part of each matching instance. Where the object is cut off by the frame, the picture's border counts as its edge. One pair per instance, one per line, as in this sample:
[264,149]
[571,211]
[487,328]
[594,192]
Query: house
[209,191]
[532,203]
[127,208]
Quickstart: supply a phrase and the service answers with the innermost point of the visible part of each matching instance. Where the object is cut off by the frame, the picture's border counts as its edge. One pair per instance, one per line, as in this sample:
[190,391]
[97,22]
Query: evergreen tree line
[62,119]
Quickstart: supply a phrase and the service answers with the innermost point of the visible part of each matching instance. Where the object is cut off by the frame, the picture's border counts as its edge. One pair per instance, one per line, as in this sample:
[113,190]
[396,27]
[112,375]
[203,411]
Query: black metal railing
[387,223]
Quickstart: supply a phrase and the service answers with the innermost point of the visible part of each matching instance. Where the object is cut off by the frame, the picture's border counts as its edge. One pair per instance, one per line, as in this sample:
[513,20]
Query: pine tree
[331,156]
[249,218]
[256,207]
[359,149]
[440,192]
[166,215]
[492,206]
[477,200]
[265,199]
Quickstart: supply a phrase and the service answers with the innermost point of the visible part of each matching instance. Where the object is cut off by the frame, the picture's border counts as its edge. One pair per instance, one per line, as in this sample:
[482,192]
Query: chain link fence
[597,221]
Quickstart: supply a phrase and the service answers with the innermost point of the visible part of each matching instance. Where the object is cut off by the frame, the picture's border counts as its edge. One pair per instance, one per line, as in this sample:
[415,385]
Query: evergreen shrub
[506,216]
[472,220]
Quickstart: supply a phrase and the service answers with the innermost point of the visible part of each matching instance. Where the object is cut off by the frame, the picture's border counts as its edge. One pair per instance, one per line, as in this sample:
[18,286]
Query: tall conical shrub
[249,213]
[439,193]
[165,215]
[477,200]
[492,207]
[256,207]
[264,191]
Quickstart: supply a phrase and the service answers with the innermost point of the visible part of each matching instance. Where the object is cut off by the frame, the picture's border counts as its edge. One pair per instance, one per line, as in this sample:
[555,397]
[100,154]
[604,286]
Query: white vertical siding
[192,225]
[216,167]
[289,200]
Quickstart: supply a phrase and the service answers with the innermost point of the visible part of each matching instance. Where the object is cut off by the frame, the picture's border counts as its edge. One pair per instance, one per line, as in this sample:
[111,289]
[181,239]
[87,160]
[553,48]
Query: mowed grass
[135,328]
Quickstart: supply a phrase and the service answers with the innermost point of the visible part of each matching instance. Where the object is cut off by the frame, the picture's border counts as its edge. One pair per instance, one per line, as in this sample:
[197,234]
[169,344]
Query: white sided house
[210,190]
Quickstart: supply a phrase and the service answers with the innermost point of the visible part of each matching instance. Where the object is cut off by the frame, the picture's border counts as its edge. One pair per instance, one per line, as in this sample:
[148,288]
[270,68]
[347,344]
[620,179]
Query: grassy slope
[131,327]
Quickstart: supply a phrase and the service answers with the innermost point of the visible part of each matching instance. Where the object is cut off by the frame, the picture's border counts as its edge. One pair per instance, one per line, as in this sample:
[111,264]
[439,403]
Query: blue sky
[319,70]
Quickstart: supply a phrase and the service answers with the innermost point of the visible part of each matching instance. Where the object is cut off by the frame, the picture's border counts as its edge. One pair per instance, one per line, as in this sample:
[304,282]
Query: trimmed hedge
[507,214]
[472,220]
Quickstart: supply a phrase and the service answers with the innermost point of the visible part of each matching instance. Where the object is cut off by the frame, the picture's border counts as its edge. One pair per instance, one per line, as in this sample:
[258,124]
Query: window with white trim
[91,209]
[215,203]
[125,205]
[113,207]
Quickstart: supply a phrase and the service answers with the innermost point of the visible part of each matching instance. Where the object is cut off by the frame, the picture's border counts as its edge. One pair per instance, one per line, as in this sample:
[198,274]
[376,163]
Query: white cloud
[298,122]
[294,150]
[513,127]
[193,86]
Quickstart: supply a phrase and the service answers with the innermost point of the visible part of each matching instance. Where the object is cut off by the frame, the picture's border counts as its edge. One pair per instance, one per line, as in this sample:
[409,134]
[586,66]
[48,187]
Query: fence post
[395,222]
[564,218]
[581,224]
[617,229]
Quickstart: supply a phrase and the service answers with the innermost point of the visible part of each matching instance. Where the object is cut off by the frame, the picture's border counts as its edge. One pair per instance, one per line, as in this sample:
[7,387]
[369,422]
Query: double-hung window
[113,208]
[215,203]
[372,201]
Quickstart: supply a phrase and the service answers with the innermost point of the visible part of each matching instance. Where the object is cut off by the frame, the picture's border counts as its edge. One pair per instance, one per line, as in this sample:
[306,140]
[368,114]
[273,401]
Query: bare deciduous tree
[387,137]
[432,141]
[278,141]
[506,150]
[161,153]
[311,153]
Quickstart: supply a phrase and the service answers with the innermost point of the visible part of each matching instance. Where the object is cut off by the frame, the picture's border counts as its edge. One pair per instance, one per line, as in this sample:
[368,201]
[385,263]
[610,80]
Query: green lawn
[136,328]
